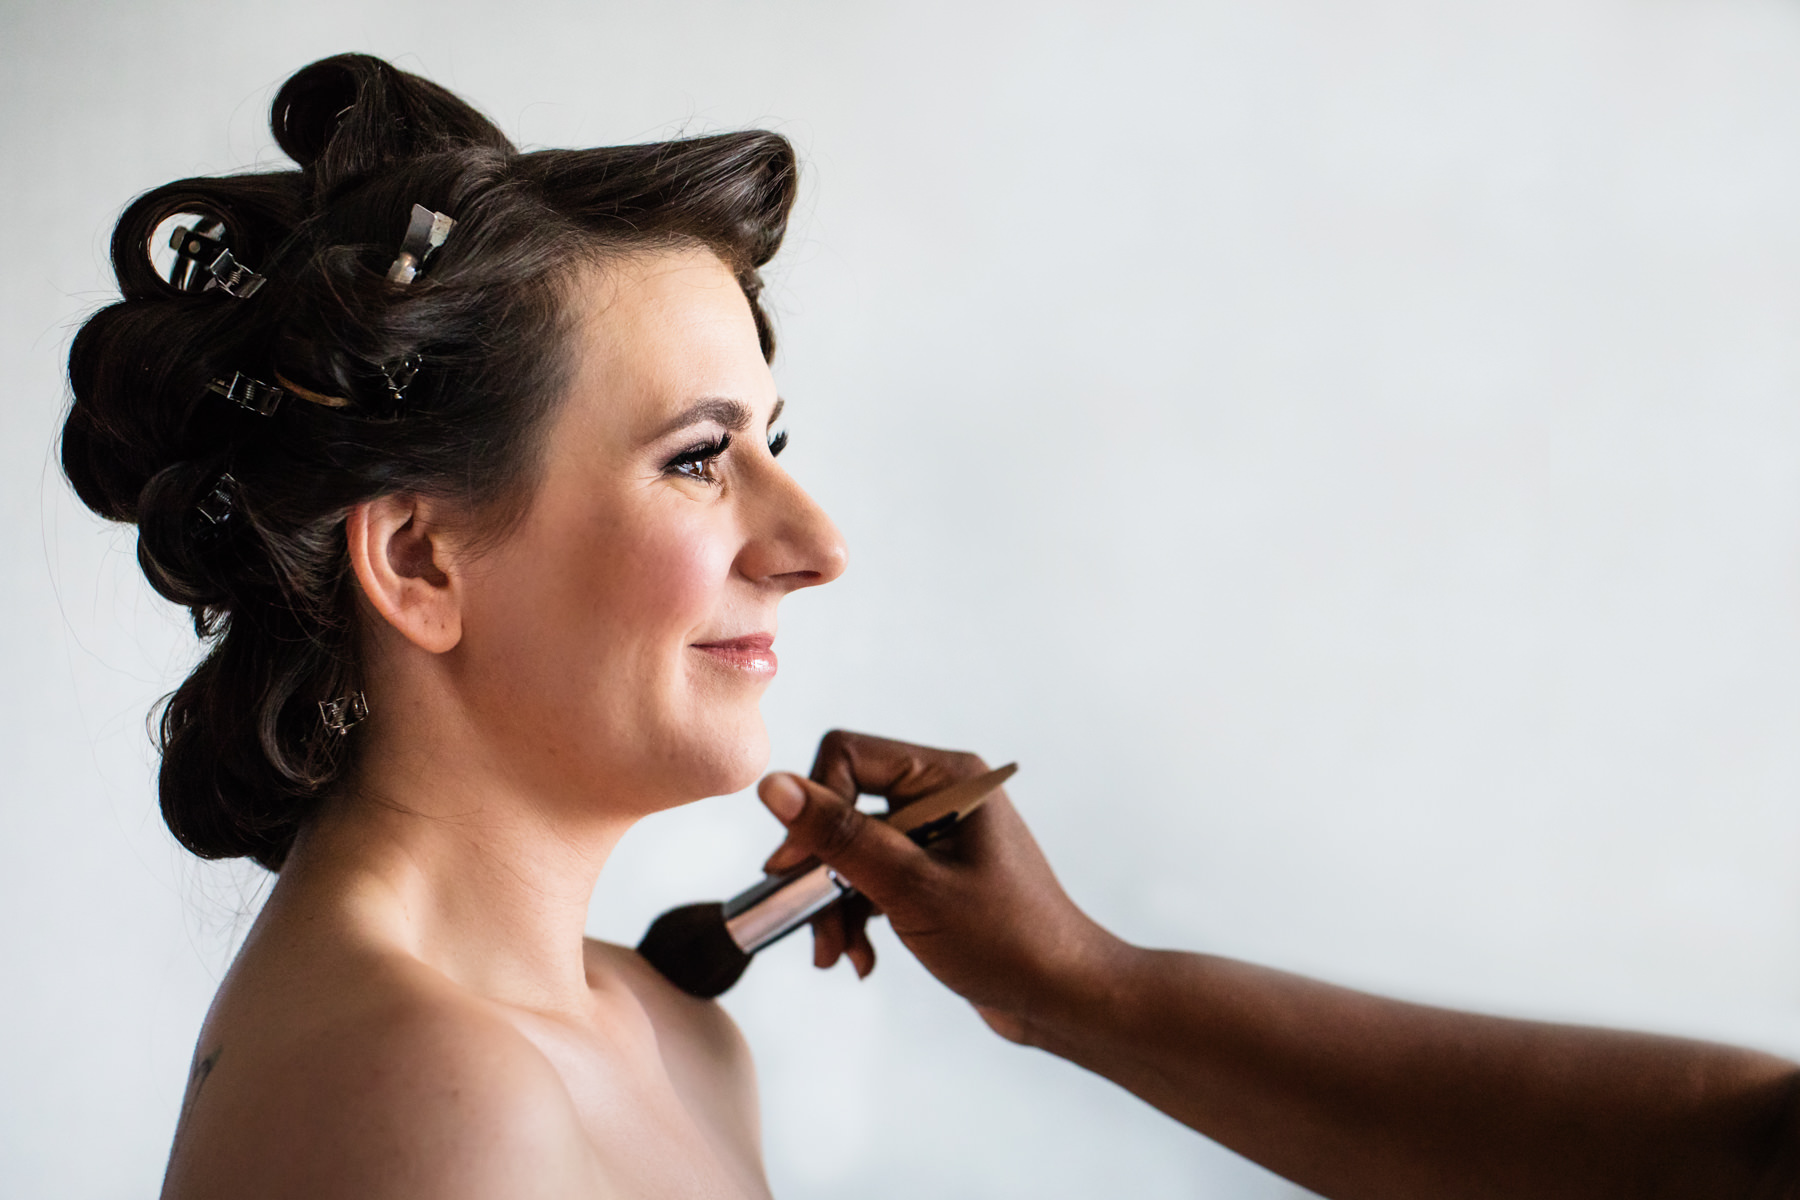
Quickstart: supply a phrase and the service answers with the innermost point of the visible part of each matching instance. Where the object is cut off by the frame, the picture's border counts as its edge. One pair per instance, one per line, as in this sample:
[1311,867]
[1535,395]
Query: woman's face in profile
[620,638]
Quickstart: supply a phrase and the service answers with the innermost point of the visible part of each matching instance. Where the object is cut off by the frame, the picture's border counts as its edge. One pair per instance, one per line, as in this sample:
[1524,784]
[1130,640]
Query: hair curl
[245,758]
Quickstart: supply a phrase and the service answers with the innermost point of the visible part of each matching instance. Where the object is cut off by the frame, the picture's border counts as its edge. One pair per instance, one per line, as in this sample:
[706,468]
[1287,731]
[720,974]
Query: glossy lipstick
[754,652]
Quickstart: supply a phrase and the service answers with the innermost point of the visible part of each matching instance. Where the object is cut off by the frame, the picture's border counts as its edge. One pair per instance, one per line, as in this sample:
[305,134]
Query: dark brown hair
[245,755]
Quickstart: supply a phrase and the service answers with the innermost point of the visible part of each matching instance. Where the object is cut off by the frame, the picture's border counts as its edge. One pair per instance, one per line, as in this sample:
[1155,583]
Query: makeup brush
[703,948]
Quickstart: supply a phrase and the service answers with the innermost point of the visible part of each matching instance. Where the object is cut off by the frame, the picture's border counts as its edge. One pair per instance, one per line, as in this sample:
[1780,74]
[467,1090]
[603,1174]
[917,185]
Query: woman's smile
[753,654]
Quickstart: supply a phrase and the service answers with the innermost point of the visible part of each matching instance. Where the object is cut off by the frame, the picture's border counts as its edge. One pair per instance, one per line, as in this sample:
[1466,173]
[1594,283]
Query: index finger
[856,764]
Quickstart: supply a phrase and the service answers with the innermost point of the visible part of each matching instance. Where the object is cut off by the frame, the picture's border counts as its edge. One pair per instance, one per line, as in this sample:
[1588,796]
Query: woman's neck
[450,864]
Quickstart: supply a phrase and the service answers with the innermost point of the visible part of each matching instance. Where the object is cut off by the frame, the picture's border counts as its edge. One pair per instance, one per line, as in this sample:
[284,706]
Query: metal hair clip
[424,233]
[245,392]
[194,248]
[233,277]
[345,713]
[201,251]
[219,503]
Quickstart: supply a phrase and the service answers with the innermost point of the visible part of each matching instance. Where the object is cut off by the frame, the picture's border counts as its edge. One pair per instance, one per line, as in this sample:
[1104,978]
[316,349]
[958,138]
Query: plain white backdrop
[1348,453]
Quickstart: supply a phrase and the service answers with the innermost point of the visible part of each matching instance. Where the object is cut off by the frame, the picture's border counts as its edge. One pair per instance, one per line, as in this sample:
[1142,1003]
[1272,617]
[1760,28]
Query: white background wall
[1348,453]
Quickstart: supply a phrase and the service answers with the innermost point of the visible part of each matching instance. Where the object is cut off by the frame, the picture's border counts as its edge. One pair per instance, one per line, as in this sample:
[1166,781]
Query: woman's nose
[794,544]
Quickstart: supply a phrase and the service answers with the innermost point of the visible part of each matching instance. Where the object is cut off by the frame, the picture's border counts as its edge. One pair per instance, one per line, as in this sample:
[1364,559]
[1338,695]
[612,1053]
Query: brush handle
[780,904]
[927,819]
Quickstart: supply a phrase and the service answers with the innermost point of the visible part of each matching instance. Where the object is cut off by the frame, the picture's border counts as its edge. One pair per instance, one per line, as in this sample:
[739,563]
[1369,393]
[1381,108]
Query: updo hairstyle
[240,515]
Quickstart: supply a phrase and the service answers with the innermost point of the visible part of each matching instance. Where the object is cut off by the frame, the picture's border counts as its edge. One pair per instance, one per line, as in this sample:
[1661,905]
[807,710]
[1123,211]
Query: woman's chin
[728,763]
[751,761]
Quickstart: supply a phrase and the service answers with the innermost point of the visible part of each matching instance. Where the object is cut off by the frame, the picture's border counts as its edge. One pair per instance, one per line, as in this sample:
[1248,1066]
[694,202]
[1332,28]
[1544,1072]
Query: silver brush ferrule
[779,905]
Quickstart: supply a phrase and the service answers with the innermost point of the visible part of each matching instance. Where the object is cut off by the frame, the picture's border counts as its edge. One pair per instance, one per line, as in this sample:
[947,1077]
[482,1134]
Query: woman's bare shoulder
[400,1087]
[704,1052]
[702,1023]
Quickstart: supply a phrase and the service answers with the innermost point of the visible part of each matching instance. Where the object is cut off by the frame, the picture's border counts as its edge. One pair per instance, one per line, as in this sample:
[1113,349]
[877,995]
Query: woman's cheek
[674,579]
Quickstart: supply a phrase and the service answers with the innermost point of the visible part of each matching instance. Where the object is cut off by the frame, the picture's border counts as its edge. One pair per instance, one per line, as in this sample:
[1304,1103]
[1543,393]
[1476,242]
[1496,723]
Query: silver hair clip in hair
[345,713]
[233,277]
[245,392]
[219,503]
[201,252]
[424,233]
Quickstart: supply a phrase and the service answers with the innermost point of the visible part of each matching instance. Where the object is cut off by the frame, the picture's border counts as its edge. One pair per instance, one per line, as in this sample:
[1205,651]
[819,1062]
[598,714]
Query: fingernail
[781,795]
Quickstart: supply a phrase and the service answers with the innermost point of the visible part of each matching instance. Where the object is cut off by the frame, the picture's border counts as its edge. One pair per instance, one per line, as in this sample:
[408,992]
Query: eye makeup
[778,438]
[696,462]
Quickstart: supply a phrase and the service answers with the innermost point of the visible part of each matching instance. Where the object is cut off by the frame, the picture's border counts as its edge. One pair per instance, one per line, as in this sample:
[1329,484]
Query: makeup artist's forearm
[1355,1096]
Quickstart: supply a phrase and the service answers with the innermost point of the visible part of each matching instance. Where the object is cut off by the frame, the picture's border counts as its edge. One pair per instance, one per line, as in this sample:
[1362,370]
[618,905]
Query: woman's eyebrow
[734,415]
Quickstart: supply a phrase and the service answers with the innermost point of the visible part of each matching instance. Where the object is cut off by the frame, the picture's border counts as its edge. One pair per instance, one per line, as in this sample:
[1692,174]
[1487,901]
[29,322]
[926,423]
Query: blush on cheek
[670,585]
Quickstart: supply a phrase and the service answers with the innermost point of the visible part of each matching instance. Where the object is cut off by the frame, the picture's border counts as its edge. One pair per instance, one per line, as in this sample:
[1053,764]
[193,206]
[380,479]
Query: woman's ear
[403,561]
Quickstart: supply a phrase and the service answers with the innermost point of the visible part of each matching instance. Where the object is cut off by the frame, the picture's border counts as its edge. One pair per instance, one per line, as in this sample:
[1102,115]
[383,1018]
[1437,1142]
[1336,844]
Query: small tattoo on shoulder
[197,1079]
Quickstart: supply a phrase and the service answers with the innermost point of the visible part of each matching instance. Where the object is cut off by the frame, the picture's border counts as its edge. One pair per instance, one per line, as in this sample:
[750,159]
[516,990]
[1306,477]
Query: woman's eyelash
[696,462]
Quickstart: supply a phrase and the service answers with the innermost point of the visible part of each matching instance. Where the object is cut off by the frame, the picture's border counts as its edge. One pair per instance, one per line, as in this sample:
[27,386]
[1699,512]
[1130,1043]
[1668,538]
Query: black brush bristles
[692,948]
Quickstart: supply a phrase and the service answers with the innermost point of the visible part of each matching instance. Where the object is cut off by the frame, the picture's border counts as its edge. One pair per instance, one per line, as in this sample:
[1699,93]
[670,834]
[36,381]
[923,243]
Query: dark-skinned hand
[1352,1096]
[981,909]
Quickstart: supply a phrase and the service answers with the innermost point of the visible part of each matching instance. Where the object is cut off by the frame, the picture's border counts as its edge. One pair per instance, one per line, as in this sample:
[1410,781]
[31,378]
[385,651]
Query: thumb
[873,857]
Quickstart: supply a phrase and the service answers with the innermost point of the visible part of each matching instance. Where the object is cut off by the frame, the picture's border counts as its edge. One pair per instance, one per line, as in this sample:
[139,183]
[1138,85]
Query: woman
[464,461]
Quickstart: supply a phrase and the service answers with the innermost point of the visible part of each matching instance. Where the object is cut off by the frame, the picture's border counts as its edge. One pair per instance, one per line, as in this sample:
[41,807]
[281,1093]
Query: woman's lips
[755,653]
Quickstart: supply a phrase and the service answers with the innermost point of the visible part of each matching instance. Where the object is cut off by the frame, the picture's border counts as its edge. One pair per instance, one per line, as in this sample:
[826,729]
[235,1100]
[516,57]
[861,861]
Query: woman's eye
[700,462]
[777,442]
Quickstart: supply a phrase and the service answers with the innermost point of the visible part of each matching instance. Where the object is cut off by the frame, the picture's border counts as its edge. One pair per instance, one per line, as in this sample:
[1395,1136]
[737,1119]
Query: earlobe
[403,564]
